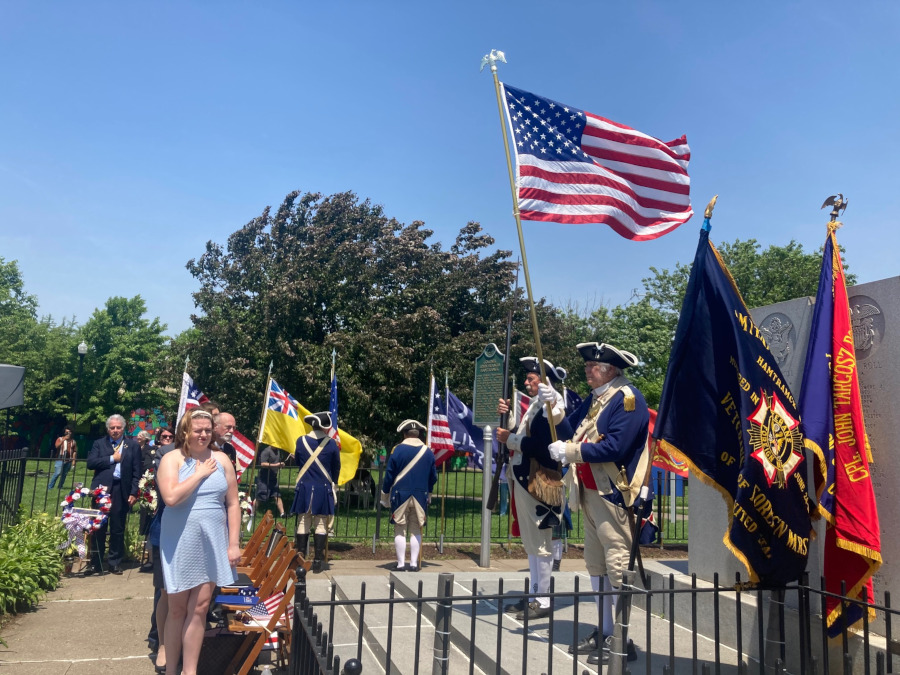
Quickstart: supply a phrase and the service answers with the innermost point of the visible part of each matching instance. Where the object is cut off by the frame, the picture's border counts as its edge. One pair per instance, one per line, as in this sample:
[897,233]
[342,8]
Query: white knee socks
[415,543]
[609,608]
[400,546]
[544,570]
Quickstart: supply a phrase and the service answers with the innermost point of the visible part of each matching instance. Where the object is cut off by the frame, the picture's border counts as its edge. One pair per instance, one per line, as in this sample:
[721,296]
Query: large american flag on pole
[439,439]
[576,167]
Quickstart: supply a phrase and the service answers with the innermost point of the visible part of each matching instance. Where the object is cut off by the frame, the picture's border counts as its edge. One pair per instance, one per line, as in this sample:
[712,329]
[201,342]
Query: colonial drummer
[408,482]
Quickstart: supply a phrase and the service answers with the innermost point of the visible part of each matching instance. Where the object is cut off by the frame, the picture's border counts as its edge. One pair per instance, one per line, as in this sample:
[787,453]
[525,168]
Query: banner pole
[492,58]
[262,425]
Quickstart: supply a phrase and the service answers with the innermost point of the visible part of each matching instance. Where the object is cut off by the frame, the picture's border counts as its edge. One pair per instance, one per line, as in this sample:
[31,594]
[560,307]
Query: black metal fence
[688,629]
[455,513]
[12,479]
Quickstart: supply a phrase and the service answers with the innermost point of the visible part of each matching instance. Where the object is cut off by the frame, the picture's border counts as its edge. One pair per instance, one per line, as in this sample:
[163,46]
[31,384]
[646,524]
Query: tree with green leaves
[325,273]
[124,359]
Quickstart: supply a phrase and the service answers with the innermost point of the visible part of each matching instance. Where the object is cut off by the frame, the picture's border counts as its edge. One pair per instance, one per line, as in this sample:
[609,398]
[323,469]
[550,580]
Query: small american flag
[576,167]
[439,439]
[263,610]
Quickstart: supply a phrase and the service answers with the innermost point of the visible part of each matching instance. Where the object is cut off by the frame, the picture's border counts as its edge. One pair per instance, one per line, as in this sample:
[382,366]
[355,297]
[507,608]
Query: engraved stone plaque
[488,388]
[875,316]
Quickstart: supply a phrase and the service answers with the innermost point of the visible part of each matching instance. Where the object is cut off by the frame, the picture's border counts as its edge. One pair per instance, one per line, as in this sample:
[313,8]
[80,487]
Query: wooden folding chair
[283,560]
[257,538]
[259,560]
[258,633]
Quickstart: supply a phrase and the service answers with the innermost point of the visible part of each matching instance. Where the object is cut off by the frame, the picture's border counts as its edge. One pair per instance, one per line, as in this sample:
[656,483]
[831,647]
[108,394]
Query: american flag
[576,167]
[281,401]
[439,439]
[261,612]
[191,396]
[244,450]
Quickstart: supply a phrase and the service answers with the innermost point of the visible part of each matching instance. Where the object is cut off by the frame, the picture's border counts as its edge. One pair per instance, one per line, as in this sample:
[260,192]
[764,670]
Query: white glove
[558,452]
[548,394]
[386,500]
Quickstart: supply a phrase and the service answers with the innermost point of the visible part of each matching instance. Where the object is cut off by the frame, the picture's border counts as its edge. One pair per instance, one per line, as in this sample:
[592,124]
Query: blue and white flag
[466,436]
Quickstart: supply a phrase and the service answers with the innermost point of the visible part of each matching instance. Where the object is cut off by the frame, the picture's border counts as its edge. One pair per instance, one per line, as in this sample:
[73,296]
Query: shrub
[30,561]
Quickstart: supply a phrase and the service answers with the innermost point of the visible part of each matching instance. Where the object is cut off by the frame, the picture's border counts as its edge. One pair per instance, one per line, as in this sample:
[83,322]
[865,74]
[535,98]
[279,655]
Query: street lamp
[82,350]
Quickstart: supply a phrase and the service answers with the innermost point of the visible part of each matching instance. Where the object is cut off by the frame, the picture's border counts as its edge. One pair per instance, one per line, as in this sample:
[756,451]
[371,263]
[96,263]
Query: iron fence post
[442,613]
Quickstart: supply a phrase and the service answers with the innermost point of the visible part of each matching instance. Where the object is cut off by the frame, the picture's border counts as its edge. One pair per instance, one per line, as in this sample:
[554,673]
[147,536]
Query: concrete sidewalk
[98,625]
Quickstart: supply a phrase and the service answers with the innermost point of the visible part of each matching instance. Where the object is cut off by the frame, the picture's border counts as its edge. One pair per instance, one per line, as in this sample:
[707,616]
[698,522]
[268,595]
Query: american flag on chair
[261,613]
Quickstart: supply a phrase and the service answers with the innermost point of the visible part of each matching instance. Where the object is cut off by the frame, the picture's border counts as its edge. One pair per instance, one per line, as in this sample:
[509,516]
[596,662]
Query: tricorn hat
[604,353]
[321,420]
[410,425]
[530,364]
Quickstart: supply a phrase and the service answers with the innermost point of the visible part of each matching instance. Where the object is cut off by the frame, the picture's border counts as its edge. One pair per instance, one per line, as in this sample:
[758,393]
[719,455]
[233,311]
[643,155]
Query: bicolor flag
[727,411]
[833,425]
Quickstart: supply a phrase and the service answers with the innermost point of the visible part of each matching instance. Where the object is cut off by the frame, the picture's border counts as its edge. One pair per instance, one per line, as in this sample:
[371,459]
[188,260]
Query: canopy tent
[12,386]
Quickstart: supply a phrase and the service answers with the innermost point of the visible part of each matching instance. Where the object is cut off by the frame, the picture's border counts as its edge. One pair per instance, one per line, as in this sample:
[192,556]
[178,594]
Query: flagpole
[444,464]
[492,58]
[182,401]
[262,425]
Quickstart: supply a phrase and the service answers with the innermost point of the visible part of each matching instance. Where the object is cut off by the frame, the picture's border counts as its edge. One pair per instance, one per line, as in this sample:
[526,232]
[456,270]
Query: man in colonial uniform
[610,455]
[319,459]
[538,493]
[408,482]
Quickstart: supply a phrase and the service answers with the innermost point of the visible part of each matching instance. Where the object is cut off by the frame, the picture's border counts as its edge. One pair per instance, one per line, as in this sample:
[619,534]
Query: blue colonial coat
[623,436]
[417,483]
[314,493]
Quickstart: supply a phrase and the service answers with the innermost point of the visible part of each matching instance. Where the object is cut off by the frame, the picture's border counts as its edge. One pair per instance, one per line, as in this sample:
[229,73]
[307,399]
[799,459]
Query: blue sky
[132,133]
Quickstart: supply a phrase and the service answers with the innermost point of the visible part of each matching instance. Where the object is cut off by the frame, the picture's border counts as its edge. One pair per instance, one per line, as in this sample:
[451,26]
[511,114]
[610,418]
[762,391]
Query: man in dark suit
[116,462]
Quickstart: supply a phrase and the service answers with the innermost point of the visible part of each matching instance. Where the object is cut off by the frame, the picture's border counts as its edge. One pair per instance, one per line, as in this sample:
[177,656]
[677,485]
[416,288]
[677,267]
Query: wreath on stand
[148,494]
[79,523]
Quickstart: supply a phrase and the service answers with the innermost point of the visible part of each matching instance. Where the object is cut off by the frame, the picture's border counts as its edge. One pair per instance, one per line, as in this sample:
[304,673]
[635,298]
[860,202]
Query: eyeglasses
[162,436]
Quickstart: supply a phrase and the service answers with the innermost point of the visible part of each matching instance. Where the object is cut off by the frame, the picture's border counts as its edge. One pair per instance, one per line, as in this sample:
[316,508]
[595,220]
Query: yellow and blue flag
[283,424]
[726,409]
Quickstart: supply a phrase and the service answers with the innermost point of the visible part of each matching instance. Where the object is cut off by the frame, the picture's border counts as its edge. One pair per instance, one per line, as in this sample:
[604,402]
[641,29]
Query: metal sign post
[486,393]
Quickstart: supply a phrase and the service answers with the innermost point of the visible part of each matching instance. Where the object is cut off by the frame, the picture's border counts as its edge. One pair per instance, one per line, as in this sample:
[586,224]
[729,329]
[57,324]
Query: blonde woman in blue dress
[199,541]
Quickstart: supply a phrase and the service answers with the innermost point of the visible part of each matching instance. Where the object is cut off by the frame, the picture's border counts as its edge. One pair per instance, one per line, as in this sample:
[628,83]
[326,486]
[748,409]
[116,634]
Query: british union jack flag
[281,401]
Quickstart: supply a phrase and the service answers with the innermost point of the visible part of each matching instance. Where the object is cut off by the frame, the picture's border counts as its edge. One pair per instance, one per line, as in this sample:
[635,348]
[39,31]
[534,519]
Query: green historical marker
[488,386]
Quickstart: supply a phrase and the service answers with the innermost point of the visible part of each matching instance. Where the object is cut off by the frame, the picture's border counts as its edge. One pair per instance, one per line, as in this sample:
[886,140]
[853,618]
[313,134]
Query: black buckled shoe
[533,612]
[603,656]
[517,606]
[588,645]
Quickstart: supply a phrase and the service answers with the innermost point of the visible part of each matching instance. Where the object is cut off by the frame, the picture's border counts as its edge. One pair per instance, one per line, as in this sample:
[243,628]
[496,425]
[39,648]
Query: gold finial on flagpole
[709,207]
[839,205]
